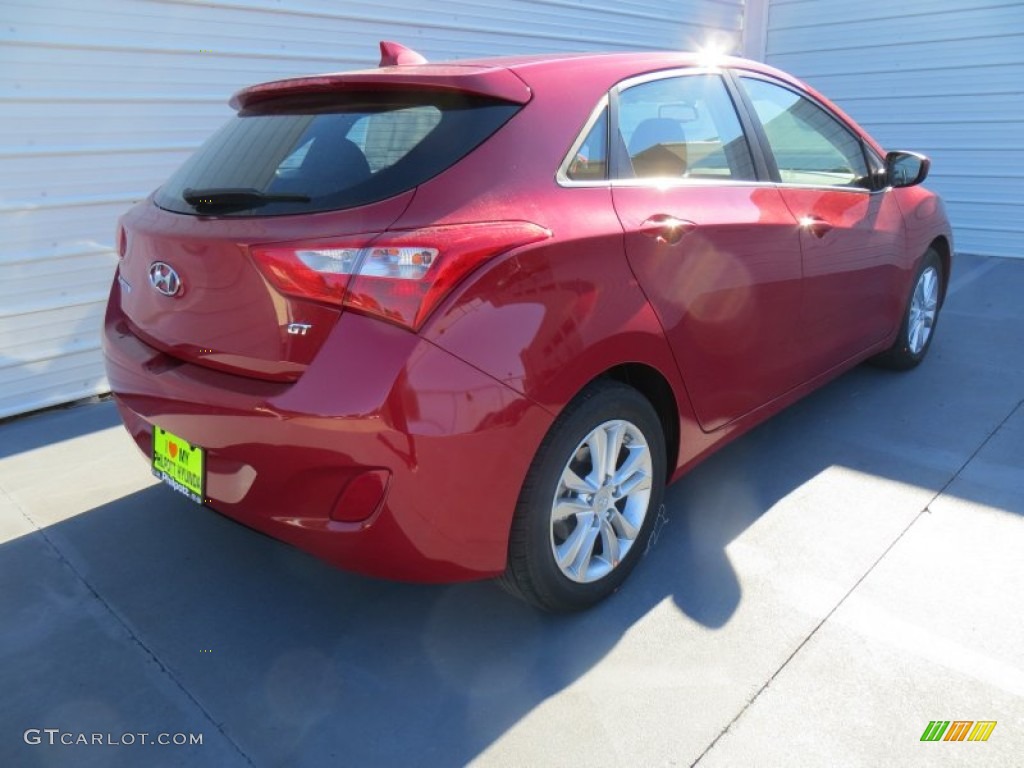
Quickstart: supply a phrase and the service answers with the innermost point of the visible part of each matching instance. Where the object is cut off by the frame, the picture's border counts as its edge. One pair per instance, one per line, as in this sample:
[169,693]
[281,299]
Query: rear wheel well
[941,246]
[651,384]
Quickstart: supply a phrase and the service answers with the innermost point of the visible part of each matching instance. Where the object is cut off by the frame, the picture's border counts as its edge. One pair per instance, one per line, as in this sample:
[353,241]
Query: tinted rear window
[326,155]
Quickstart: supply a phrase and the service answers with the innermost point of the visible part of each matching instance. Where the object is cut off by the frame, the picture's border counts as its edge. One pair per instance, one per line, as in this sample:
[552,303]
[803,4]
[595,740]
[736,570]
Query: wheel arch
[650,383]
[942,247]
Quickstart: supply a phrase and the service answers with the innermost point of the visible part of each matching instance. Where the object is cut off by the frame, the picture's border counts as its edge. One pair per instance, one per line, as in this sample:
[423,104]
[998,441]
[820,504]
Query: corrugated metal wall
[102,100]
[945,77]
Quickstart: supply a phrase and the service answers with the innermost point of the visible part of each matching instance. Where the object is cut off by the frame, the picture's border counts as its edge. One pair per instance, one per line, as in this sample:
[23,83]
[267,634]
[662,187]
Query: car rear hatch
[242,260]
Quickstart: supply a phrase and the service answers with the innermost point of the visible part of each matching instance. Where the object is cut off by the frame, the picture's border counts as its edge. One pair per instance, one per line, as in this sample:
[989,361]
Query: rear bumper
[451,443]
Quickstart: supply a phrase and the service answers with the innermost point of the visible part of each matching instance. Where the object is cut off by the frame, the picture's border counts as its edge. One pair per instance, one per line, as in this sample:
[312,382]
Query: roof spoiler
[396,54]
[490,81]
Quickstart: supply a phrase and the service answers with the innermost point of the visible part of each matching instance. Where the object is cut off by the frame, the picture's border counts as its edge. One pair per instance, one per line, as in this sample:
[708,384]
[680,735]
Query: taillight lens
[398,276]
[122,242]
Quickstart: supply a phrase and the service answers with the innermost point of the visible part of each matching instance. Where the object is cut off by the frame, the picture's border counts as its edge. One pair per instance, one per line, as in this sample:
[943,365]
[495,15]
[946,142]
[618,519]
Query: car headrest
[658,148]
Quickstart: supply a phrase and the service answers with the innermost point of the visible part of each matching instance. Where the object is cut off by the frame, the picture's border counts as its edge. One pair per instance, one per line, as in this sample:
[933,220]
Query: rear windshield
[307,155]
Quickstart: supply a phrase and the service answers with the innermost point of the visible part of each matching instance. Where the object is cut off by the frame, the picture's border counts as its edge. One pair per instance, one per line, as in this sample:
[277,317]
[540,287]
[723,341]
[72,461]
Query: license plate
[179,463]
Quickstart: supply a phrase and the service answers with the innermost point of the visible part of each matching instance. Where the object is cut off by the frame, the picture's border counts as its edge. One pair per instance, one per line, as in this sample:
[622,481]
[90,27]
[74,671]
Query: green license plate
[179,463]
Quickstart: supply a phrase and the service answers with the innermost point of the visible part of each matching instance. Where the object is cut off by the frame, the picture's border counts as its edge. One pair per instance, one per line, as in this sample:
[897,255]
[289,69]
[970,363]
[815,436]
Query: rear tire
[919,319]
[589,501]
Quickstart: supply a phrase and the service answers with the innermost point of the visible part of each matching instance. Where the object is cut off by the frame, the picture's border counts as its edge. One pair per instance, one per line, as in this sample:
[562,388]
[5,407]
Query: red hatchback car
[441,322]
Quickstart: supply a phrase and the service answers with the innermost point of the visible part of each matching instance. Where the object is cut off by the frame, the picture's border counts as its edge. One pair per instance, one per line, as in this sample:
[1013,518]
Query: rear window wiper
[235,197]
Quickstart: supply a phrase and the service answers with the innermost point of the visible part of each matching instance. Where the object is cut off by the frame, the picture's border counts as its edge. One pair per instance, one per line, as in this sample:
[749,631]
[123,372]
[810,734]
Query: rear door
[716,250]
[851,235]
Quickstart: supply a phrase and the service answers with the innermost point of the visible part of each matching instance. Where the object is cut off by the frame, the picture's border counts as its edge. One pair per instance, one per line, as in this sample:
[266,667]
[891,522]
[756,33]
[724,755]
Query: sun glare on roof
[716,46]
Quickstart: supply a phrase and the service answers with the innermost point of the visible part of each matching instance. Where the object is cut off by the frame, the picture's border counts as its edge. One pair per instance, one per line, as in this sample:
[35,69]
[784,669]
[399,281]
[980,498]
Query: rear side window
[590,163]
[306,155]
[683,127]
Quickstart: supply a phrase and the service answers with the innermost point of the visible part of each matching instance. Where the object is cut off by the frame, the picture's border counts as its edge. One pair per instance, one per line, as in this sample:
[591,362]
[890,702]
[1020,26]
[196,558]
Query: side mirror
[905,169]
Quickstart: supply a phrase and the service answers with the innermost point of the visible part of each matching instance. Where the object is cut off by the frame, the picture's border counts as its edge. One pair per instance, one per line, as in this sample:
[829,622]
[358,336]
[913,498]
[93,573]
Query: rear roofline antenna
[395,54]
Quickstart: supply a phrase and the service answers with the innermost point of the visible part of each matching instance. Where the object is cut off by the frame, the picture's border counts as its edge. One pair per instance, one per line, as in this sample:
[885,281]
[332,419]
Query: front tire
[589,500]
[919,320]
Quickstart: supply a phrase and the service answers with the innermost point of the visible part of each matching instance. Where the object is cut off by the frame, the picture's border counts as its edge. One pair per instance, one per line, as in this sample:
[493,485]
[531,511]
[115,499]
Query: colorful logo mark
[958,730]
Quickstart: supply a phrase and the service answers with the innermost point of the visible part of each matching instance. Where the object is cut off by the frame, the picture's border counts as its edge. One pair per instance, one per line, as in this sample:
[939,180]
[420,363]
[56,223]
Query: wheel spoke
[637,456]
[609,543]
[616,437]
[574,482]
[568,508]
[638,481]
[623,527]
[597,442]
[585,551]
[930,285]
[569,551]
[930,291]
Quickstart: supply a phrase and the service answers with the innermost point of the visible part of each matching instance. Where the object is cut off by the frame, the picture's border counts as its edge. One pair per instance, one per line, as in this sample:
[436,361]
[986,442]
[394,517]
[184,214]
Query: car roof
[618,66]
[626,61]
[512,78]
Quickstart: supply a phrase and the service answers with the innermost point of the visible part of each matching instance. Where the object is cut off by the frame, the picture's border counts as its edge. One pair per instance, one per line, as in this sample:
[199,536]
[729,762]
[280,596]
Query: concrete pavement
[818,592]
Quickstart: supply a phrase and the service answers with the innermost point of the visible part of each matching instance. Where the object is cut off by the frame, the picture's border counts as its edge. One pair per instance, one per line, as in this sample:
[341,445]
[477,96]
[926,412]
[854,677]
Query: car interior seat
[658,148]
[333,164]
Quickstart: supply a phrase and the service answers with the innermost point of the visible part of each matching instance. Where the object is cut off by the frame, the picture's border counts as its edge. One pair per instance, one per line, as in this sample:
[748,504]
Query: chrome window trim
[562,174]
[664,74]
[669,182]
[827,188]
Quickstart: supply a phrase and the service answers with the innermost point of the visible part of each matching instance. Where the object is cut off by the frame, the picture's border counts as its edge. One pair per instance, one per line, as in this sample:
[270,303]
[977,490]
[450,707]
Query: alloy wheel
[602,499]
[923,310]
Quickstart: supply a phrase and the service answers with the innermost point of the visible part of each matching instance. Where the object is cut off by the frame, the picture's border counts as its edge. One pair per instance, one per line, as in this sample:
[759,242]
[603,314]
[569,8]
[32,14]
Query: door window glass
[683,127]
[810,145]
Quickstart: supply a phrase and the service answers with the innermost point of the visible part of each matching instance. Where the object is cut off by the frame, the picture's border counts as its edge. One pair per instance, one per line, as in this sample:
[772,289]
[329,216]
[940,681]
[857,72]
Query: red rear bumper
[447,447]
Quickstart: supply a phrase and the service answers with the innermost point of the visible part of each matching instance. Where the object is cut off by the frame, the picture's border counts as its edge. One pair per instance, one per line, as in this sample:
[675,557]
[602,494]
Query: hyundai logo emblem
[164,279]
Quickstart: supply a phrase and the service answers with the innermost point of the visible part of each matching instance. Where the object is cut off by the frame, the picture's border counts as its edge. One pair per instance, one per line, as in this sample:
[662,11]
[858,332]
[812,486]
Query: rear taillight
[122,242]
[398,276]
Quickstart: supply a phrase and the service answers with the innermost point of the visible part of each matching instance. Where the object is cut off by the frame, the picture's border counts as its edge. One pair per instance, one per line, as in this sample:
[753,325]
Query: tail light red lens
[400,277]
[122,242]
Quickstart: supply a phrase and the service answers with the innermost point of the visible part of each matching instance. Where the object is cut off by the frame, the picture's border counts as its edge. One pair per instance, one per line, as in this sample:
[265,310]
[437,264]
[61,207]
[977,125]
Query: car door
[851,235]
[715,249]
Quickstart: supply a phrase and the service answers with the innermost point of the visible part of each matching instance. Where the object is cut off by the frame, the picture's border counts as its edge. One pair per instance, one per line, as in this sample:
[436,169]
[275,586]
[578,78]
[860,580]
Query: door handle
[816,226]
[666,229]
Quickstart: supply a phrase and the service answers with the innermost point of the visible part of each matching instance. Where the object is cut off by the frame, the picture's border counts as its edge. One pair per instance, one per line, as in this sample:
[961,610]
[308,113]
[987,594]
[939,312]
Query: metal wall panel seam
[465,28]
[69,201]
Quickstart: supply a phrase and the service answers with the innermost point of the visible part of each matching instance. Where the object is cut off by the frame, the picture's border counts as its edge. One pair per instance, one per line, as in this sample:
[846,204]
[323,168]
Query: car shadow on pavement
[52,426]
[295,660]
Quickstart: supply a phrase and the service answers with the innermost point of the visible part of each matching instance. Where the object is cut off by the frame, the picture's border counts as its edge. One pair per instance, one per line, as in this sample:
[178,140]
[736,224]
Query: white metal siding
[944,77]
[102,100]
